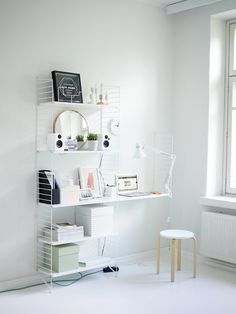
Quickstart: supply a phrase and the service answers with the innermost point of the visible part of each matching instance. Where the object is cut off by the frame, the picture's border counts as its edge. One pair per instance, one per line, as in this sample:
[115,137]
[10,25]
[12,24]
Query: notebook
[127,185]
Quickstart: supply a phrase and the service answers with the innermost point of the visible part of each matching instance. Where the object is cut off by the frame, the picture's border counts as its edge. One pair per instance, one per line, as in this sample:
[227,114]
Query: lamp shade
[139,152]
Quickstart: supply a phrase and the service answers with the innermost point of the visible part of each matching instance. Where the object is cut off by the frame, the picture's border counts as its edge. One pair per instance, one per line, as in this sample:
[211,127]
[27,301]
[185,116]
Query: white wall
[121,42]
[191,111]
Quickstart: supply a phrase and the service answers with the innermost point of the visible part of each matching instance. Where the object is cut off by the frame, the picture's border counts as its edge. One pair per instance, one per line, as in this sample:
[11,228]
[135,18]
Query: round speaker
[106,143]
[59,143]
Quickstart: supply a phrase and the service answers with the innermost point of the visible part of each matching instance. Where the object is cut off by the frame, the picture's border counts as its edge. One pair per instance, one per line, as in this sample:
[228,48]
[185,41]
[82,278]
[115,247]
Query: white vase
[92,145]
[80,145]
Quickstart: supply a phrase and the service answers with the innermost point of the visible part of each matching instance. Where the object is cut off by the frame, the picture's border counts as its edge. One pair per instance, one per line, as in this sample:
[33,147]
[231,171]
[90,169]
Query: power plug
[110,269]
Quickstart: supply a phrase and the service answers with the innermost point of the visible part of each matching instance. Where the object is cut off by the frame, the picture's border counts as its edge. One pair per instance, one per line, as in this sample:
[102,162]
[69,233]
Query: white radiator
[218,236]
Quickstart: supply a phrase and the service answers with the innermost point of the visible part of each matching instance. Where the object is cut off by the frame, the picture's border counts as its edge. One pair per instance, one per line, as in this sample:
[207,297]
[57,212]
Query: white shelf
[72,152]
[219,201]
[85,238]
[78,270]
[60,104]
[102,200]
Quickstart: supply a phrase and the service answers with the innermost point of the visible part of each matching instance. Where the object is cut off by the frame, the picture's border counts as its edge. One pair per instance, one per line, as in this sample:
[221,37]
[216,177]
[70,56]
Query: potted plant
[80,141]
[92,139]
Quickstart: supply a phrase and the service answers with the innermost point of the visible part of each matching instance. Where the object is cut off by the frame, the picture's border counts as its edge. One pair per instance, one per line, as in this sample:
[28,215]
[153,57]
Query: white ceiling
[162,3]
[166,3]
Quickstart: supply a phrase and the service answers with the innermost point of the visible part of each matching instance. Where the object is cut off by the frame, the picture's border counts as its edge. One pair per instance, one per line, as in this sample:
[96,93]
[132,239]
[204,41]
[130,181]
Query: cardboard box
[65,257]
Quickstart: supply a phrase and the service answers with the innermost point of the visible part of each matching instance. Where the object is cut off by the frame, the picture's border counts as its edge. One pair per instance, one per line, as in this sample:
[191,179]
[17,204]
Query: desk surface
[116,199]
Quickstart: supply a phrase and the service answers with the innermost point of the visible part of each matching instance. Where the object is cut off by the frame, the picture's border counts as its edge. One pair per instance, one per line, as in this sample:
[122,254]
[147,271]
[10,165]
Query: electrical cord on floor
[72,281]
[56,282]
[22,288]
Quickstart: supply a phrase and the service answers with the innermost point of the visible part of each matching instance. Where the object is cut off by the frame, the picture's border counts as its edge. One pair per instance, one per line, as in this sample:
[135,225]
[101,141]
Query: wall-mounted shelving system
[67,163]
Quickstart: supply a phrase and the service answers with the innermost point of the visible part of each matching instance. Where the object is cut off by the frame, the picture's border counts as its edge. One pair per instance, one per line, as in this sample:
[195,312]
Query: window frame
[230,80]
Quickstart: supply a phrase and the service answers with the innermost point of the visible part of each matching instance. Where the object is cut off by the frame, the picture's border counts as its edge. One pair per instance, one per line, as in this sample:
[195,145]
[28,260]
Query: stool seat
[176,234]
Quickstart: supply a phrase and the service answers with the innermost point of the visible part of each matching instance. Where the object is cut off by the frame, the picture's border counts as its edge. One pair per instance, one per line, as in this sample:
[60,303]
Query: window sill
[219,201]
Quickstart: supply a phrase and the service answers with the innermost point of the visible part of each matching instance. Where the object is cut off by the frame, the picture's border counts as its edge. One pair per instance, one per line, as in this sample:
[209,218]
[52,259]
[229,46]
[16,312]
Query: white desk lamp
[140,153]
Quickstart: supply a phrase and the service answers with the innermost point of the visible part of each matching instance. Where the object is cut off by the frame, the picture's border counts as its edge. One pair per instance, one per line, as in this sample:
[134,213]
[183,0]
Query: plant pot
[80,145]
[92,145]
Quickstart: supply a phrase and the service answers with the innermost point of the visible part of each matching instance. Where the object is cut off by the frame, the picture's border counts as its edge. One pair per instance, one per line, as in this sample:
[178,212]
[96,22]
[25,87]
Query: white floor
[135,290]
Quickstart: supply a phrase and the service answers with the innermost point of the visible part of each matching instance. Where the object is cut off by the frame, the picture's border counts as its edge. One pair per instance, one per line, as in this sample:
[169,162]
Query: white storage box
[96,219]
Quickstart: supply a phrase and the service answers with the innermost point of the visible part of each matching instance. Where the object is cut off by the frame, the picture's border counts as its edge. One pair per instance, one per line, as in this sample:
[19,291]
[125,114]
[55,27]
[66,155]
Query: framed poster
[67,87]
[89,178]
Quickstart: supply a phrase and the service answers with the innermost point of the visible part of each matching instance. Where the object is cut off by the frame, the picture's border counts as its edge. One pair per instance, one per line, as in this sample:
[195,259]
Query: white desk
[102,200]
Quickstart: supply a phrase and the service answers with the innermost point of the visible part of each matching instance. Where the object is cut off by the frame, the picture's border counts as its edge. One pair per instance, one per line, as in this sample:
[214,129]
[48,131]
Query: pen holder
[110,191]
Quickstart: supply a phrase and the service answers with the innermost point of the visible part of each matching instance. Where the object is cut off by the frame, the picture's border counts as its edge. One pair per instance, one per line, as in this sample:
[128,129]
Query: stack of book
[66,232]
[96,219]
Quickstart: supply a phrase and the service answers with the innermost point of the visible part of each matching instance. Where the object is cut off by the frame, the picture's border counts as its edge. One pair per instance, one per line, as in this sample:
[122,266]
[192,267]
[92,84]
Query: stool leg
[194,257]
[173,247]
[158,253]
[179,254]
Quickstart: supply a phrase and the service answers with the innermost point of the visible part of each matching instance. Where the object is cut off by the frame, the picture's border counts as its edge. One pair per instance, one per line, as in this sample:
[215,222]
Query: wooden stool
[174,235]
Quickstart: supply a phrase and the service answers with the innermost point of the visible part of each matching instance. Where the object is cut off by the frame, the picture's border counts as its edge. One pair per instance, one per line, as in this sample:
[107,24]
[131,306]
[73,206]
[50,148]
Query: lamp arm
[101,174]
[169,177]
[140,153]
[170,156]
[161,152]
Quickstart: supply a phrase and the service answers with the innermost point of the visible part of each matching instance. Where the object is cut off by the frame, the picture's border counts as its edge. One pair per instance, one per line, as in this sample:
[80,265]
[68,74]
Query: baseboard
[135,257]
[211,261]
[31,279]
[218,264]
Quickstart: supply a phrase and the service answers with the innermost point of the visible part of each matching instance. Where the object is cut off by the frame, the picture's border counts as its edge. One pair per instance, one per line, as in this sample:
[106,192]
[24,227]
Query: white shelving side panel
[110,161]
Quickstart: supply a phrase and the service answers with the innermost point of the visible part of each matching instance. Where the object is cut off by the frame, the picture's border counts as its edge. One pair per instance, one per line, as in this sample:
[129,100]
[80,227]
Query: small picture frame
[67,87]
[90,178]
[85,194]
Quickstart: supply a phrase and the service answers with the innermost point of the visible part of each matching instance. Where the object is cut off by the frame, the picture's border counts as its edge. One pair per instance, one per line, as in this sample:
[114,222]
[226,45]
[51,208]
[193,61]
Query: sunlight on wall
[216,108]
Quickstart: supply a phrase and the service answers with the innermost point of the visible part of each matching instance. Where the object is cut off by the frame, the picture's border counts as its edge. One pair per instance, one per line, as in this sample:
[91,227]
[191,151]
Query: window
[230,187]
